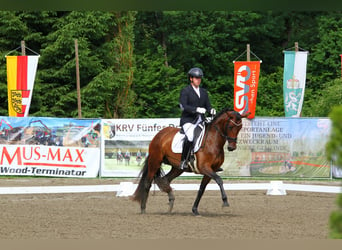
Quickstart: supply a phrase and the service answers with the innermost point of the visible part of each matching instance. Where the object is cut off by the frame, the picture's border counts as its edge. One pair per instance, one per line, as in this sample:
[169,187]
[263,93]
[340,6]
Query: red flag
[246,78]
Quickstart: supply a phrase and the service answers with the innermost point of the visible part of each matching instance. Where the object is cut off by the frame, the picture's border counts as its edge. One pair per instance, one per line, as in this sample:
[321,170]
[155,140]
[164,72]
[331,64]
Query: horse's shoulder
[168,131]
[165,134]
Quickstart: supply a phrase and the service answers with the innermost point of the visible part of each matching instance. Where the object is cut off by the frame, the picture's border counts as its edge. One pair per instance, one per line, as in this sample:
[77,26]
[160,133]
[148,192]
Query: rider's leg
[188,129]
[187,147]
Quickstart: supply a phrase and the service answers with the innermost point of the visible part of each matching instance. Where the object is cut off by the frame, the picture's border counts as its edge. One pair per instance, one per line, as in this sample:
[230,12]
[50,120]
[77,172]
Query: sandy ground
[251,215]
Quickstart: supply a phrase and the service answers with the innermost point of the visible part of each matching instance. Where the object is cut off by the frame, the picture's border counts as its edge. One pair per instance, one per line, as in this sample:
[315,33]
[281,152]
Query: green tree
[56,87]
[212,40]
[133,63]
[334,153]
[110,93]
[10,27]
[270,101]
[322,103]
[16,26]
[157,86]
[324,56]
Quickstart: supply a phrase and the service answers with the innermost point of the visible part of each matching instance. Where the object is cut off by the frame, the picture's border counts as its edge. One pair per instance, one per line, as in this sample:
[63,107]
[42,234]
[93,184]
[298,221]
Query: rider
[194,102]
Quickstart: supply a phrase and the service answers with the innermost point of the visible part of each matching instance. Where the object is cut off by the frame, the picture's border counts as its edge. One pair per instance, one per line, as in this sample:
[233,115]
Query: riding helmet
[195,72]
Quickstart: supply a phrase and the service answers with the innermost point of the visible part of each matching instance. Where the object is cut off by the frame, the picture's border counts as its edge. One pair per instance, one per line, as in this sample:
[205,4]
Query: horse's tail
[142,190]
[139,192]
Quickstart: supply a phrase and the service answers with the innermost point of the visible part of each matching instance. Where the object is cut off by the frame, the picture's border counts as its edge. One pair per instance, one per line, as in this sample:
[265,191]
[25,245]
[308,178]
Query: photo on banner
[125,144]
[56,147]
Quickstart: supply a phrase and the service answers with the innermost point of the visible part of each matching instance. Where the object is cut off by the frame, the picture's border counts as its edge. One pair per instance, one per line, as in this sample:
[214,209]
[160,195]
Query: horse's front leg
[219,182]
[205,180]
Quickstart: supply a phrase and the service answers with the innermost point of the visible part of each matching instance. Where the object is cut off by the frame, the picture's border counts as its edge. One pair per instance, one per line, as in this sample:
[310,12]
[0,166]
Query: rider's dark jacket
[189,101]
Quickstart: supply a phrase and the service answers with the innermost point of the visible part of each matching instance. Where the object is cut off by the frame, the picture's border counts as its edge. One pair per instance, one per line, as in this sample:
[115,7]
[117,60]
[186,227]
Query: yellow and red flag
[246,78]
[21,72]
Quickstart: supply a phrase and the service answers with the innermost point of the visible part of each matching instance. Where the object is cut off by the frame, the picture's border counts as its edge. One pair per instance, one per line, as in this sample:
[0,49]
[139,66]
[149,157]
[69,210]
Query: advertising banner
[246,78]
[294,82]
[267,147]
[58,147]
[281,147]
[125,144]
[21,72]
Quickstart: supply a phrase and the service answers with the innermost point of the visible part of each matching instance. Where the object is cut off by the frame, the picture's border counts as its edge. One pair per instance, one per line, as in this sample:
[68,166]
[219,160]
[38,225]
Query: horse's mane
[221,113]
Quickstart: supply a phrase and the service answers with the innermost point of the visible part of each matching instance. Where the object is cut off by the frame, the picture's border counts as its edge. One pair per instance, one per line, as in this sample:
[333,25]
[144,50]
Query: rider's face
[196,81]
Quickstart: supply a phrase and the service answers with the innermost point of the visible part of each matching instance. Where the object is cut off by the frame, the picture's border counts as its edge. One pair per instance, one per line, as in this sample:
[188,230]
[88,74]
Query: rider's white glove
[213,112]
[208,119]
[200,110]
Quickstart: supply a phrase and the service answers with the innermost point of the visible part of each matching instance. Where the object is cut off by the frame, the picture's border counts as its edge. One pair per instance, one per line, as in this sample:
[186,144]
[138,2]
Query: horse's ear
[245,115]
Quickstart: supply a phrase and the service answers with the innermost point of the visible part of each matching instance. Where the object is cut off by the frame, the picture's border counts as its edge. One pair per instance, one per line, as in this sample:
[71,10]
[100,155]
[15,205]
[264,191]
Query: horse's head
[229,123]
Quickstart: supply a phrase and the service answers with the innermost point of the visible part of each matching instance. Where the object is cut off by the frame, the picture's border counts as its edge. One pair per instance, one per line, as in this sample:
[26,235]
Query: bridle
[226,127]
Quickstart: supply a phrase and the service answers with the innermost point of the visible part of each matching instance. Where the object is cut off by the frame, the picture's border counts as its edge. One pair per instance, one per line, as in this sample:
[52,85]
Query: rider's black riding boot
[187,147]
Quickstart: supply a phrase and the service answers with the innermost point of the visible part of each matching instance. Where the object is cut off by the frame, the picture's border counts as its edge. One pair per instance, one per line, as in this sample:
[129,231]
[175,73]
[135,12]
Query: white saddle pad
[177,142]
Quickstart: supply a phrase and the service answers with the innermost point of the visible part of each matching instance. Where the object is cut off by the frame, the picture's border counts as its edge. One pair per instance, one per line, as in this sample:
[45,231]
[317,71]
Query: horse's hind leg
[146,185]
[164,185]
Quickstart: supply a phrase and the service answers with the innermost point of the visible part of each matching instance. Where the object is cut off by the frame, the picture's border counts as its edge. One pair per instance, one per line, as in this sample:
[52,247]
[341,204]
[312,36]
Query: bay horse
[225,126]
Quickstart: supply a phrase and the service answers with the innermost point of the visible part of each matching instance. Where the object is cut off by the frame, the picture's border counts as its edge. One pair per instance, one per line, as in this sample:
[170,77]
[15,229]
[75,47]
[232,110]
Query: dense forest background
[134,63]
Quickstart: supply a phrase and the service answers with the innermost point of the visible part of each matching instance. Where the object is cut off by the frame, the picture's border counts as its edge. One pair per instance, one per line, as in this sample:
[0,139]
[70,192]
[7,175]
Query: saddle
[177,146]
[178,139]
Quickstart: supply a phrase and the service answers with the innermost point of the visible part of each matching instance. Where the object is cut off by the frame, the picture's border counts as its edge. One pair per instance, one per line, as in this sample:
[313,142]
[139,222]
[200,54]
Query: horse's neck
[216,130]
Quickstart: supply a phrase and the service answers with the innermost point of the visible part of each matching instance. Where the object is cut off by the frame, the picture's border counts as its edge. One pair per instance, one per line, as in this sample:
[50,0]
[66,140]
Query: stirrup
[184,165]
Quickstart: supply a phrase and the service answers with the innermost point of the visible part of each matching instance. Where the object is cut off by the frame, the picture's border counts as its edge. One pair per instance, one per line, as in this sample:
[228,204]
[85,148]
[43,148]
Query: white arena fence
[124,189]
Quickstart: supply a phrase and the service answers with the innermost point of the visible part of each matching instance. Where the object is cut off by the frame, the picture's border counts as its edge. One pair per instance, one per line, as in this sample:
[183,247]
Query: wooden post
[248,53]
[23,52]
[296,46]
[78,81]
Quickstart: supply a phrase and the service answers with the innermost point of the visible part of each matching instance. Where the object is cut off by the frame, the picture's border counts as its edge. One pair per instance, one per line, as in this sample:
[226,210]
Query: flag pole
[78,81]
[248,53]
[296,50]
[23,52]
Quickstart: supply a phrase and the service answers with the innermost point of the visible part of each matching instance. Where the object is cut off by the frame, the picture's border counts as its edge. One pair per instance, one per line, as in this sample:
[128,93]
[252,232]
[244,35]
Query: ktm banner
[246,77]
[21,71]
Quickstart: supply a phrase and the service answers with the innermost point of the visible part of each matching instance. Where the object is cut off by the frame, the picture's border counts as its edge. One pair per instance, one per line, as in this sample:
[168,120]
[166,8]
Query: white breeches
[189,128]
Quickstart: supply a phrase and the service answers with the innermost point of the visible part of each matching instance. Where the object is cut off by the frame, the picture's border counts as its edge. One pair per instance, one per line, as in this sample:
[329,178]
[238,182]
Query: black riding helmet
[195,72]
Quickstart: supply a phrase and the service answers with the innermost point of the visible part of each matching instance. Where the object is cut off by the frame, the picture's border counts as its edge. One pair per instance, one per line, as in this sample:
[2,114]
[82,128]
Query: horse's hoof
[225,204]
[195,212]
[142,211]
[169,211]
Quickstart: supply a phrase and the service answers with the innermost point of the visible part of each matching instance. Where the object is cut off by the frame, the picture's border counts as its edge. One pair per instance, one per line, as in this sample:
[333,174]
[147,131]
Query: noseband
[229,139]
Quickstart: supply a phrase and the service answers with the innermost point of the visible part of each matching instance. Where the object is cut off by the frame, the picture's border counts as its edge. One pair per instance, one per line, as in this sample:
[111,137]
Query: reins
[229,139]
